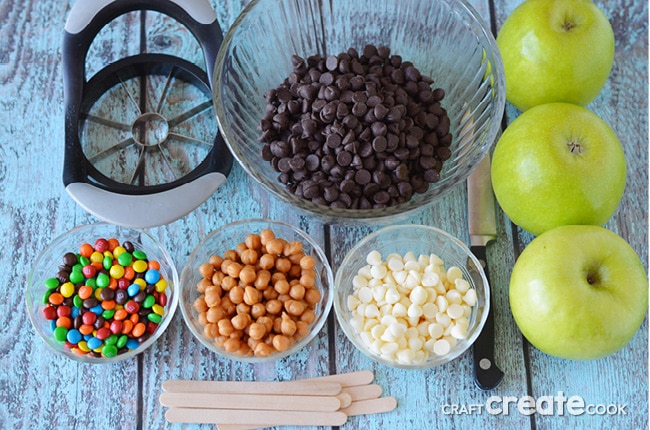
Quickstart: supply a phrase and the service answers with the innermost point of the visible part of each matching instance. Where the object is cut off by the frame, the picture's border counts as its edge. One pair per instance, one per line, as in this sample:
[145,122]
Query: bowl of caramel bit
[256,290]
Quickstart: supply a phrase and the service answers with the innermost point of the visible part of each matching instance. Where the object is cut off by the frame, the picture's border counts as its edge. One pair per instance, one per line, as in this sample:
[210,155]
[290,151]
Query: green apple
[558,164]
[579,292]
[555,51]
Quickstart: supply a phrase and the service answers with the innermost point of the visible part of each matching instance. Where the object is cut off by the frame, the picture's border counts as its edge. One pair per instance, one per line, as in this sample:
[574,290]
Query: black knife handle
[486,373]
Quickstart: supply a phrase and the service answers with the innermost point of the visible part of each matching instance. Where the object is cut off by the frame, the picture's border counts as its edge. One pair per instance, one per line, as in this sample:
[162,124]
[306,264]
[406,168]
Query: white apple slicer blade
[142,141]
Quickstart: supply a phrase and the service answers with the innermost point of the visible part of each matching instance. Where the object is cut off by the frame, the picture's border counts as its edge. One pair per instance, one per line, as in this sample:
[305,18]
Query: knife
[482,230]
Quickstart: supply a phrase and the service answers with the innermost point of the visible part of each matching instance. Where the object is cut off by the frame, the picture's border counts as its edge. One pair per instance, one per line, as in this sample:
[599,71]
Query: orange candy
[120,314]
[86,329]
[85,292]
[113,243]
[86,250]
[64,322]
[55,298]
[127,326]
[153,264]
[139,329]
[129,273]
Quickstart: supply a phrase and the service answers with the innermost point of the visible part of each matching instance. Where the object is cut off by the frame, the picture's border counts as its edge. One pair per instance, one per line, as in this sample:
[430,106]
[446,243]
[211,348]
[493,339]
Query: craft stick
[352,379]
[345,399]
[363,392]
[372,406]
[252,401]
[247,417]
[356,408]
[303,387]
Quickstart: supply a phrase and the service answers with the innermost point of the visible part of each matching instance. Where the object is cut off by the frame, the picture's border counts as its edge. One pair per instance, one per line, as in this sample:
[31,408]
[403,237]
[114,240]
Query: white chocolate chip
[455,311]
[418,295]
[470,297]
[441,347]
[373,258]
[408,309]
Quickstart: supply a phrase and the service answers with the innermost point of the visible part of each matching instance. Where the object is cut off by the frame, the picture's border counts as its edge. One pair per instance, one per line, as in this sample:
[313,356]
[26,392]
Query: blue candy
[74,336]
[152,276]
[133,289]
[97,309]
[94,343]
[132,344]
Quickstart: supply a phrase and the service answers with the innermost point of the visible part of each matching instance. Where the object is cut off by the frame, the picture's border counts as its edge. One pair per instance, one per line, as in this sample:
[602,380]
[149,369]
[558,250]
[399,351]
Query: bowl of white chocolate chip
[411,296]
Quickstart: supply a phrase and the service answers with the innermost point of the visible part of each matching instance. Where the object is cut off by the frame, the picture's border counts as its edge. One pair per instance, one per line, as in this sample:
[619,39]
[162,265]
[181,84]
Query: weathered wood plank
[39,389]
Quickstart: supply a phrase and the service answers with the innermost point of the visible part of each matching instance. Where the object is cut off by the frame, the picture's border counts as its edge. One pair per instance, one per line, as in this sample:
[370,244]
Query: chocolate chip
[355,131]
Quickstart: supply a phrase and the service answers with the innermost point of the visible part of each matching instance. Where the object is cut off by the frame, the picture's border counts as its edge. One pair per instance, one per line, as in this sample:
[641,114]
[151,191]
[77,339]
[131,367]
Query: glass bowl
[446,40]
[156,302]
[393,295]
[227,238]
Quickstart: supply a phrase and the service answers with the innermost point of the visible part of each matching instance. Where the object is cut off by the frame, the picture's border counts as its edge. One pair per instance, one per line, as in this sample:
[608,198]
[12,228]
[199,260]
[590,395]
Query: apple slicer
[142,145]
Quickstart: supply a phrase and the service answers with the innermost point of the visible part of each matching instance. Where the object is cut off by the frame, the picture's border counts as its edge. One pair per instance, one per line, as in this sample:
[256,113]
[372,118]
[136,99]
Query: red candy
[151,327]
[89,271]
[132,307]
[63,311]
[89,318]
[103,333]
[116,326]
[162,299]
[50,313]
[101,245]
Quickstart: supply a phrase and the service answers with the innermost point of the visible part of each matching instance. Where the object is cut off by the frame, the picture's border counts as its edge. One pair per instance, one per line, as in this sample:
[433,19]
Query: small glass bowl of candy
[102,293]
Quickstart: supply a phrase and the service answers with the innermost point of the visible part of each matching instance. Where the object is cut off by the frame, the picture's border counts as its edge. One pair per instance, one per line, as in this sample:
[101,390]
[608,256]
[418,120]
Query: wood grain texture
[41,390]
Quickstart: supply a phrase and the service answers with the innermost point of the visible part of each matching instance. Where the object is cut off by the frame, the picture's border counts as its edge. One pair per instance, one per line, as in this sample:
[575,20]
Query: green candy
[60,333]
[154,318]
[111,340]
[103,280]
[149,301]
[83,261]
[51,283]
[121,341]
[108,314]
[139,255]
[107,262]
[109,351]
[125,259]
[77,301]
[46,296]
[91,282]
[76,277]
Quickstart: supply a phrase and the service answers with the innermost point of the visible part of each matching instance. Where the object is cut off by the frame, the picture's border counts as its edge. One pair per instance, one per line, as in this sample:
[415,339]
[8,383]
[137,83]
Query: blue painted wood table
[39,389]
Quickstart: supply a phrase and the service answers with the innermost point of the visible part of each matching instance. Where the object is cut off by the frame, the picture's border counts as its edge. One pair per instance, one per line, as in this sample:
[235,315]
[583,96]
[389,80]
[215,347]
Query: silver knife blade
[480,205]
[482,230]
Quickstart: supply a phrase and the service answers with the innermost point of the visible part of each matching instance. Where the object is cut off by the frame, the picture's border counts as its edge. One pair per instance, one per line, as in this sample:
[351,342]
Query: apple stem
[568,25]
[574,147]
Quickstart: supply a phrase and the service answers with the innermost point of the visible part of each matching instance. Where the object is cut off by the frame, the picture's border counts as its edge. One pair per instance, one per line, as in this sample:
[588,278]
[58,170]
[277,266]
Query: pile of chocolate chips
[356,131]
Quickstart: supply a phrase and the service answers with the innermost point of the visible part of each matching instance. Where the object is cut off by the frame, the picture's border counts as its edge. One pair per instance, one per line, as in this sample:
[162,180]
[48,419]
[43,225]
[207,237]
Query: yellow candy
[158,310]
[116,271]
[161,285]
[96,257]
[118,250]
[140,266]
[140,282]
[82,345]
[97,293]
[67,289]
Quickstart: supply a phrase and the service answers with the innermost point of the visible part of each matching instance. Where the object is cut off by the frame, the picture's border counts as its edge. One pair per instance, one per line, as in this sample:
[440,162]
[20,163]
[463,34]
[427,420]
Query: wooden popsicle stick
[351,379]
[252,401]
[363,392]
[247,417]
[303,387]
[345,400]
[371,406]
